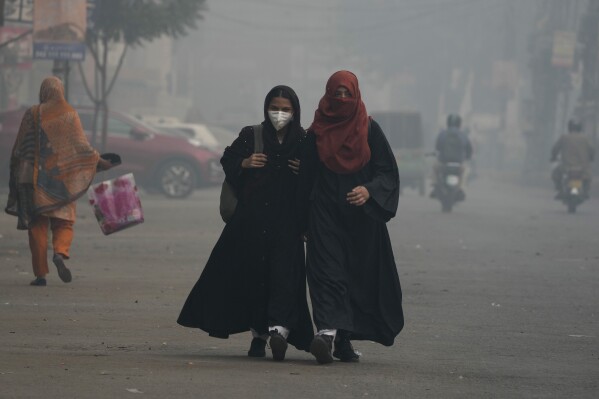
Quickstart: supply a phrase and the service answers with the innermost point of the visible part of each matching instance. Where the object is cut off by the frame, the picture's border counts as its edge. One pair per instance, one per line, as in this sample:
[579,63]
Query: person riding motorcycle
[576,153]
[452,145]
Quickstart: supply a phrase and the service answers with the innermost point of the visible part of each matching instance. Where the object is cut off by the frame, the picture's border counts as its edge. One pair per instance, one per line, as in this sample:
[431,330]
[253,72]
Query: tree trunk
[103,93]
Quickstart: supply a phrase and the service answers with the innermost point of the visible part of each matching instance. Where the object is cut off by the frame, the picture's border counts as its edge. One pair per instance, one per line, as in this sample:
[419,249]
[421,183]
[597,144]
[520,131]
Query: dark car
[173,165]
[403,130]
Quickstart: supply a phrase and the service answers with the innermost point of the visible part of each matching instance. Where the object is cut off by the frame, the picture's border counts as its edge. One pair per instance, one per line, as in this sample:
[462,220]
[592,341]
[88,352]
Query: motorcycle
[572,191]
[448,188]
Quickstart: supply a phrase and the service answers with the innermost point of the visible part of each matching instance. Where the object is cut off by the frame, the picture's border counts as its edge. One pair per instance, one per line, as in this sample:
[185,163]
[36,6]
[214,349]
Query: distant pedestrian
[52,164]
[349,185]
[255,277]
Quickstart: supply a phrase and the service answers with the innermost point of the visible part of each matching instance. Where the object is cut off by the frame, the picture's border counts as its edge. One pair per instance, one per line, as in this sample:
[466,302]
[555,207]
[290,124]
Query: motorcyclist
[452,145]
[576,153]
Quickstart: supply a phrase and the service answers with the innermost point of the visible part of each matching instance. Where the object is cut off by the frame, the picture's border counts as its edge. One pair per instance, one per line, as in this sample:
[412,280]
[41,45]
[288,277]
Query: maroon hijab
[341,126]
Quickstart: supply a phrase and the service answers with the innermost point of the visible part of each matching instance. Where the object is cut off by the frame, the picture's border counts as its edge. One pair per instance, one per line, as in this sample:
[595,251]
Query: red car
[173,165]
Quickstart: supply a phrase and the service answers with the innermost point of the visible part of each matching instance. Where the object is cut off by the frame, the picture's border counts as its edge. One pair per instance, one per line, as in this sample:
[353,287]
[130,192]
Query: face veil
[341,126]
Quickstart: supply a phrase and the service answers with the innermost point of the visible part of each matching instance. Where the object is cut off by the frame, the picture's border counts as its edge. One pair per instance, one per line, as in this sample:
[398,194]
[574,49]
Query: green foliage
[136,21]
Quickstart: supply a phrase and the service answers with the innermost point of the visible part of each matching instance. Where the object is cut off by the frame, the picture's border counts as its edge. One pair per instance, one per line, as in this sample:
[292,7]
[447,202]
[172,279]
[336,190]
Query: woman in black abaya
[349,188]
[255,276]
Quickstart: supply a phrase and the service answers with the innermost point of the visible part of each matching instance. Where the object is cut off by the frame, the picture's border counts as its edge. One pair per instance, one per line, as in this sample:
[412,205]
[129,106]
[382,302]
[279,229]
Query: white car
[212,137]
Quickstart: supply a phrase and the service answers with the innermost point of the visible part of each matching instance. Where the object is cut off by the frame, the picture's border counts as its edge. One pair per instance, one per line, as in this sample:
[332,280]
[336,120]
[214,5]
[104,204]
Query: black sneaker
[345,352]
[39,282]
[321,347]
[63,272]
[257,348]
[278,345]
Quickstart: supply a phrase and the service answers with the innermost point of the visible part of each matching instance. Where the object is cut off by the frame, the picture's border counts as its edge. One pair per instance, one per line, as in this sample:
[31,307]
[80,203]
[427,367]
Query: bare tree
[130,23]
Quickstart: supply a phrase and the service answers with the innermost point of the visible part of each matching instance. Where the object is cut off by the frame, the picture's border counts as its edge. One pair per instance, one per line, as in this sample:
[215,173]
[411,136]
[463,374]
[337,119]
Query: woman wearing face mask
[349,183]
[255,277]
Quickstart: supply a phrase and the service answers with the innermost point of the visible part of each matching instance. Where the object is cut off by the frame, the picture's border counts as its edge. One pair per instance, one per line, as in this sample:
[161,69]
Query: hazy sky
[403,51]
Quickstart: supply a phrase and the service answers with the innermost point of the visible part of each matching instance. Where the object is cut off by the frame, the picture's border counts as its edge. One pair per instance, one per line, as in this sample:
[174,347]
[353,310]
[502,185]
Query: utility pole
[61,69]
[550,81]
[588,38]
[1,13]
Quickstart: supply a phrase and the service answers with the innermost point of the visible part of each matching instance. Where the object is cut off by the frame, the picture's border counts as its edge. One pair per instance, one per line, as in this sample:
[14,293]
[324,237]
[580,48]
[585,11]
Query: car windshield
[193,131]
[131,120]
[172,131]
[201,133]
[127,121]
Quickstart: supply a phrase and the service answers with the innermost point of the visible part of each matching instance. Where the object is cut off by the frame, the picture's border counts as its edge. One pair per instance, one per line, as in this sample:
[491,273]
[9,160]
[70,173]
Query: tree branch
[93,52]
[85,84]
[116,72]
[16,38]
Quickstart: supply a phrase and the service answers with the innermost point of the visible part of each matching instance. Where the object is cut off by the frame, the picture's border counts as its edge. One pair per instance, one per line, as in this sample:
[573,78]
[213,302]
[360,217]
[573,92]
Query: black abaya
[352,276]
[255,276]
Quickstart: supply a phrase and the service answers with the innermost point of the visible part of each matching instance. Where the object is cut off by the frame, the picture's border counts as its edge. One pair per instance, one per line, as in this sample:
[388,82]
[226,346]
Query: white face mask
[280,119]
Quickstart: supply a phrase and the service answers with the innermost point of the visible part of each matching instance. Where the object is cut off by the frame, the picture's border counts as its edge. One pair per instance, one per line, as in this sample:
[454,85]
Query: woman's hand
[294,165]
[254,161]
[358,196]
[104,164]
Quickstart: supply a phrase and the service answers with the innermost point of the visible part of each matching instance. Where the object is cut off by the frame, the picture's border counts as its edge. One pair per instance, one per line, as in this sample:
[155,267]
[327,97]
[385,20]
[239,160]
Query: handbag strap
[258,139]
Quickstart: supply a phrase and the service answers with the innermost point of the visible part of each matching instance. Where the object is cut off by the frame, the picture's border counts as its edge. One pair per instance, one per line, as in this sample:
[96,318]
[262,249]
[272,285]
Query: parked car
[224,136]
[197,132]
[173,165]
[403,130]
[213,137]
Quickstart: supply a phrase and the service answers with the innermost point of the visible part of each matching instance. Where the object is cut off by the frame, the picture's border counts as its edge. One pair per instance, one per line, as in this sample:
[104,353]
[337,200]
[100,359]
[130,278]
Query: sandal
[63,272]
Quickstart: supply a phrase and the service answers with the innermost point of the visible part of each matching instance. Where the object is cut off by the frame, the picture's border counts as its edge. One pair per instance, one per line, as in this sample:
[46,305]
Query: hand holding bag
[228,196]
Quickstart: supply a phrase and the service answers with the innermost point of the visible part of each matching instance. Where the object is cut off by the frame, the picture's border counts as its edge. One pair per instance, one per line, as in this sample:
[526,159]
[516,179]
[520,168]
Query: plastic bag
[116,204]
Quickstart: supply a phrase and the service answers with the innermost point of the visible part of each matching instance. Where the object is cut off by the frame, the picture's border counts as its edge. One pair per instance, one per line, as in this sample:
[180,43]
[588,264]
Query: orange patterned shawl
[52,163]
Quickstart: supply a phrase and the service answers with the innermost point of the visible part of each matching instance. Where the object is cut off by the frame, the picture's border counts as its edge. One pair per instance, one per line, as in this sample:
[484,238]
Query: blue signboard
[59,29]
[59,51]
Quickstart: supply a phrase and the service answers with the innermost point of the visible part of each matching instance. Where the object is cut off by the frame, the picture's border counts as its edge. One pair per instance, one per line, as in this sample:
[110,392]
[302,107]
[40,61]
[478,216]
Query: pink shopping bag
[116,203]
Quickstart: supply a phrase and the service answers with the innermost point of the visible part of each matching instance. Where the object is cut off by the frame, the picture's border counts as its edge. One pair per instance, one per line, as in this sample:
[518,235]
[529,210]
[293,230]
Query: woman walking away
[349,185]
[51,166]
[255,276]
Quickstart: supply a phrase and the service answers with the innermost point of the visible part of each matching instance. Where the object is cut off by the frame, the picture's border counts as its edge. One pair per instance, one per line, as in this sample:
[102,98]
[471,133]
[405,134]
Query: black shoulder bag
[228,196]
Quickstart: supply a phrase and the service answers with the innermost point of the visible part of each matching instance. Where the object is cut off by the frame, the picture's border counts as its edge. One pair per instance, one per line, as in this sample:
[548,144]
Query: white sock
[331,332]
[256,334]
[282,330]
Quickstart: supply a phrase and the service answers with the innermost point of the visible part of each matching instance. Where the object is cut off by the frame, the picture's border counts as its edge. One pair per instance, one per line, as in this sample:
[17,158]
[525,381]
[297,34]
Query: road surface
[500,301]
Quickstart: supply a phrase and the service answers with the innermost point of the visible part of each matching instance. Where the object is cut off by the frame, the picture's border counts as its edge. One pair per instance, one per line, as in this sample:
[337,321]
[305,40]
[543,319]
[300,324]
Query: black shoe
[39,282]
[278,345]
[433,194]
[63,272]
[345,352]
[321,347]
[257,348]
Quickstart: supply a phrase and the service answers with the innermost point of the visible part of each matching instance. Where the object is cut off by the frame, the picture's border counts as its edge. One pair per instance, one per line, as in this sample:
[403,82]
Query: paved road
[500,300]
